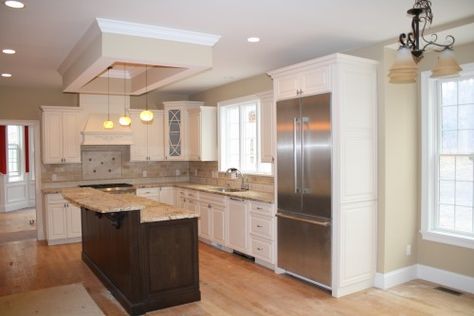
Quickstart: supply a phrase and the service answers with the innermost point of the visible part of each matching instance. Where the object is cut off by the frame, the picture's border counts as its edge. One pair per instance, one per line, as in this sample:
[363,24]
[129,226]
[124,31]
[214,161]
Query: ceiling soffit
[172,54]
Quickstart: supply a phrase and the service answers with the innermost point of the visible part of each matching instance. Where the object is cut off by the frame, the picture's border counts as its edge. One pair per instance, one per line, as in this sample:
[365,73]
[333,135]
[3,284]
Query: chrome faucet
[238,174]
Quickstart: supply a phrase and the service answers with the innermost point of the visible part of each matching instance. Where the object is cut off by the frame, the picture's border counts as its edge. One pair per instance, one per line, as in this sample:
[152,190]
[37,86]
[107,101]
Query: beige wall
[17,103]
[236,89]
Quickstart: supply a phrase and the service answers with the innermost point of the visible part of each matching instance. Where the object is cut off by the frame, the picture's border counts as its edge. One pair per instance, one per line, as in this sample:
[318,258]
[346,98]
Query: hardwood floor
[230,285]
[18,225]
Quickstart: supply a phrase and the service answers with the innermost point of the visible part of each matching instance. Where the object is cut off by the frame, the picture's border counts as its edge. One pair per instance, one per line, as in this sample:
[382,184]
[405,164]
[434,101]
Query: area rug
[68,300]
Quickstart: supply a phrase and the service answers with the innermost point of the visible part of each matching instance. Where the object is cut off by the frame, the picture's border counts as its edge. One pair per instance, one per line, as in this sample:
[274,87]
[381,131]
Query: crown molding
[156,32]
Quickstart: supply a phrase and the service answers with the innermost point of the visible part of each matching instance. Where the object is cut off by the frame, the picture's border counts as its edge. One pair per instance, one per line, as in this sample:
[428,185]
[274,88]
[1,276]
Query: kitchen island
[145,252]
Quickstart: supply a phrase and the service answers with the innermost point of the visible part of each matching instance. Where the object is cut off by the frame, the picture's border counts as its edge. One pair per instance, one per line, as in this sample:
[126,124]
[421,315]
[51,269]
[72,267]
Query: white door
[237,225]
[194,134]
[139,148]
[167,195]
[73,214]
[71,137]
[52,137]
[205,220]
[57,226]
[218,225]
[156,138]
[175,119]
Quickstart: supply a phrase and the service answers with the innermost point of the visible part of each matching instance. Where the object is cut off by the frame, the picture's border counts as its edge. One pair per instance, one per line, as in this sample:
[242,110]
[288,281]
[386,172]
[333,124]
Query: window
[239,140]
[14,143]
[448,159]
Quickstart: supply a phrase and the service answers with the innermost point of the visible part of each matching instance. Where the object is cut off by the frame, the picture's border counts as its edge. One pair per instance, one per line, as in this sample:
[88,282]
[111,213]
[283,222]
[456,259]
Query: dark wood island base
[146,266]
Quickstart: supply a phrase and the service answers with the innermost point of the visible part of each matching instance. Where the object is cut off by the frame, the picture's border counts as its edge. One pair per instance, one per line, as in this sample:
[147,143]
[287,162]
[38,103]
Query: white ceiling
[44,32]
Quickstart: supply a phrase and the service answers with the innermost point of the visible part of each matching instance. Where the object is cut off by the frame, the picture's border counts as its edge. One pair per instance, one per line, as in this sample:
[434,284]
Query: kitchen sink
[230,190]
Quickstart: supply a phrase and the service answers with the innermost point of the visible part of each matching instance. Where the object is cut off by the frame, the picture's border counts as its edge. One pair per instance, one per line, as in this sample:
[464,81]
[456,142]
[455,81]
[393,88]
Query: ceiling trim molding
[157,32]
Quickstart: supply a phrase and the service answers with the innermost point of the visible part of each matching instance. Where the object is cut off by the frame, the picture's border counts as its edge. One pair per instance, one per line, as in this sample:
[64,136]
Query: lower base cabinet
[63,220]
[237,225]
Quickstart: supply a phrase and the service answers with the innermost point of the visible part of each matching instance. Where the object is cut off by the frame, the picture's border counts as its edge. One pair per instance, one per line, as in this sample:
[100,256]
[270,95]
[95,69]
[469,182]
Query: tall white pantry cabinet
[352,82]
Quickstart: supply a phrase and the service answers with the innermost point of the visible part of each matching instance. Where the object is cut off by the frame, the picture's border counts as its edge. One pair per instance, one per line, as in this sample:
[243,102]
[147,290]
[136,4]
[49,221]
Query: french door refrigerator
[304,187]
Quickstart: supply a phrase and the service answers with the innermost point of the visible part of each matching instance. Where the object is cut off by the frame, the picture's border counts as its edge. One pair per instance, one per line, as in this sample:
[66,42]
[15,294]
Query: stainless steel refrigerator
[304,187]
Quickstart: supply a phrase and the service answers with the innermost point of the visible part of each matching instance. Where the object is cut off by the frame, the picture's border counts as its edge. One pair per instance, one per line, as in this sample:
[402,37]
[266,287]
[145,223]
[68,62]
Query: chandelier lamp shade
[125,120]
[146,115]
[108,124]
[414,44]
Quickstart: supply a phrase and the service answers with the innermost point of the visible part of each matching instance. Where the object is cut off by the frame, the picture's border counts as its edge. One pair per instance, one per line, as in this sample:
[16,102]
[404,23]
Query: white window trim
[429,140]
[244,99]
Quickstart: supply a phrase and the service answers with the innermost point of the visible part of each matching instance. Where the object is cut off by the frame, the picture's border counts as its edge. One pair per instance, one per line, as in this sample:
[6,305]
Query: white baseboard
[418,271]
[446,278]
[387,280]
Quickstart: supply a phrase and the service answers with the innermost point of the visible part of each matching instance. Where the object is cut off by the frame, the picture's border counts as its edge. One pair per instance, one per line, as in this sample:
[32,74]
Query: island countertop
[101,202]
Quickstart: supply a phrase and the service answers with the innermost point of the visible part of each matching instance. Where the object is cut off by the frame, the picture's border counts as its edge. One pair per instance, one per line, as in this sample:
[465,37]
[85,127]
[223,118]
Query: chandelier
[414,44]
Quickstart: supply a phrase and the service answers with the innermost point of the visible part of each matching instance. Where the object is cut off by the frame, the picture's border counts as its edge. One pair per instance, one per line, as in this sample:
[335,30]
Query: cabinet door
[71,141]
[194,135]
[237,225]
[174,140]
[167,195]
[138,150]
[57,226]
[266,127]
[73,216]
[156,138]
[218,225]
[52,137]
[316,81]
[287,86]
[205,220]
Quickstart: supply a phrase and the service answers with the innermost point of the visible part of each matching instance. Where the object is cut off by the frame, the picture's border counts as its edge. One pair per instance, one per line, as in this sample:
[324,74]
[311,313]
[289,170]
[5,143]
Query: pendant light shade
[146,115]
[447,65]
[404,68]
[108,124]
[125,120]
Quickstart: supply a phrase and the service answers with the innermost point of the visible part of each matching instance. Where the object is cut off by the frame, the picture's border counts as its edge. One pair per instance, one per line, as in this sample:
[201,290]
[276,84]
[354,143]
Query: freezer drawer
[304,247]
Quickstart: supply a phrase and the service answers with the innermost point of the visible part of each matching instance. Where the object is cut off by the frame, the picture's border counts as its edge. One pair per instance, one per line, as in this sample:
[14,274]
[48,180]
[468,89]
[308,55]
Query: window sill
[450,239]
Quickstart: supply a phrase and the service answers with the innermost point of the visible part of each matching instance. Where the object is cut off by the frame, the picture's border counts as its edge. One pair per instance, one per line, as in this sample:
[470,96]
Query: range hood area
[94,132]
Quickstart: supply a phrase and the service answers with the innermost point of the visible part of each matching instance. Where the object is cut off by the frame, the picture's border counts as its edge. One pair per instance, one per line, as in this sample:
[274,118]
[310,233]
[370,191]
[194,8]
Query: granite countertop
[247,195]
[150,211]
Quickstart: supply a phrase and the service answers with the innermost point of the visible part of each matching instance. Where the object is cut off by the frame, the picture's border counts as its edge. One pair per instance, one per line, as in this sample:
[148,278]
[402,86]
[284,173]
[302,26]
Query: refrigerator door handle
[296,122]
[304,121]
[310,221]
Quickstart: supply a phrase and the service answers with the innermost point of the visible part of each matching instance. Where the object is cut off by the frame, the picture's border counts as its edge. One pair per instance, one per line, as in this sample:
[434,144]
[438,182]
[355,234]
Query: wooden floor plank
[230,285]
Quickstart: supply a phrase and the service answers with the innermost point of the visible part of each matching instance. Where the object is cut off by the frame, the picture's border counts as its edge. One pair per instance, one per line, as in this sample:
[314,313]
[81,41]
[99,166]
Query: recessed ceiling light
[14,4]
[253,39]
[8,51]
[6,75]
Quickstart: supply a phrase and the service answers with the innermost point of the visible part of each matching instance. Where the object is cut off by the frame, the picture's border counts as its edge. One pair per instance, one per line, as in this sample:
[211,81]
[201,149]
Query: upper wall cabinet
[202,136]
[190,131]
[267,141]
[148,137]
[61,138]
[308,80]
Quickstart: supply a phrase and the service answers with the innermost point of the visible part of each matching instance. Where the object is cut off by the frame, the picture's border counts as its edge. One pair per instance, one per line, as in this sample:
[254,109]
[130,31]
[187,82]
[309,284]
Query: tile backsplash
[102,160]
[207,173]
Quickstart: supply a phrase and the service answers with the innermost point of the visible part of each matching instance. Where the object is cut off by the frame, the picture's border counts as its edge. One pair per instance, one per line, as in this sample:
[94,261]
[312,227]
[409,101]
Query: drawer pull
[259,249]
[259,208]
[259,226]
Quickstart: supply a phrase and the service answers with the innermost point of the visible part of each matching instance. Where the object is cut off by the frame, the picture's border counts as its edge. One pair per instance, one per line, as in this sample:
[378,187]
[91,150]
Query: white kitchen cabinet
[150,193]
[352,82]
[219,225]
[167,195]
[63,223]
[175,120]
[205,223]
[181,198]
[61,137]
[237,225]
[214,207]
[202,133]
[148,137]
[267,141]
[310,80]
[262,226]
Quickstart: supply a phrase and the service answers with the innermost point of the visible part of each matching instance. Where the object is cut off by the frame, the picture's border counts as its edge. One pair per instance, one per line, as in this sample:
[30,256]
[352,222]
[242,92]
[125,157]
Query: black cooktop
[107,185]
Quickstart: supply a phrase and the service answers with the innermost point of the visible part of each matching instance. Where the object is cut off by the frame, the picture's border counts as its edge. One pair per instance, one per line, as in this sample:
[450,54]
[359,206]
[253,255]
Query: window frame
[234,102]
[430,138]
[20,155]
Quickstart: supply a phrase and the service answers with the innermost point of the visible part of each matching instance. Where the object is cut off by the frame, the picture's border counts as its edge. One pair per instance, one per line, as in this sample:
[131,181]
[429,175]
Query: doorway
[19,180]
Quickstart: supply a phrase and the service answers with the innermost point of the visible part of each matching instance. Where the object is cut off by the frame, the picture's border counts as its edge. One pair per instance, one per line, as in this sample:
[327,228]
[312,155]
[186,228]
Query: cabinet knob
[259,249]
[259,226]
[259,208]
[209,206]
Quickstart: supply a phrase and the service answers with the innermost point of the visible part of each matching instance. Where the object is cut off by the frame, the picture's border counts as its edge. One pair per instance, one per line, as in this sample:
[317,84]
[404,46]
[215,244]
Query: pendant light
[108,124]
[125,120]
[146,115]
